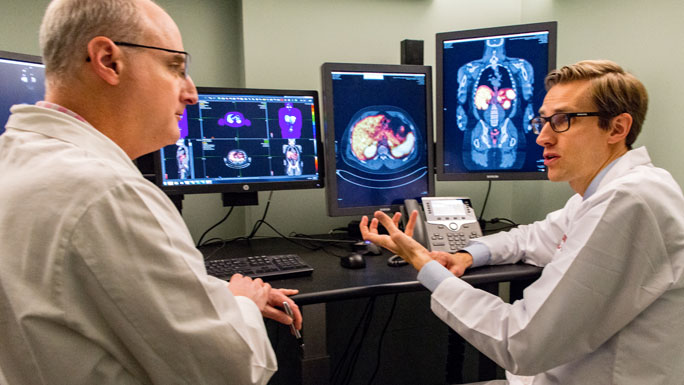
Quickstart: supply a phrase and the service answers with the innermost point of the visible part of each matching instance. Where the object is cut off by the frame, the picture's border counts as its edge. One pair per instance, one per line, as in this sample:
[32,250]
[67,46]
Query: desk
[330,282]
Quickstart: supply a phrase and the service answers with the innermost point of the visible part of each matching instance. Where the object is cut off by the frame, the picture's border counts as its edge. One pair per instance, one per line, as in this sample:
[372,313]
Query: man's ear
[104,59]
[619,128]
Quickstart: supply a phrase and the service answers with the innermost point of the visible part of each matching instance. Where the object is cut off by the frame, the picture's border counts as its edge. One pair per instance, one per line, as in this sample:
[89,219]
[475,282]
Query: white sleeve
[535,243]
[180,324]
[612,265]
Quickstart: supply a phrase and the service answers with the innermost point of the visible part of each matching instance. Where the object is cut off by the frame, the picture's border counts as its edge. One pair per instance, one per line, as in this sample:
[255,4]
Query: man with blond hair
[609,305]
[100,280]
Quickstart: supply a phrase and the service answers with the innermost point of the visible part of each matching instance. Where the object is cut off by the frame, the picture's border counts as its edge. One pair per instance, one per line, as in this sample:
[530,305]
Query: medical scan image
[183,159]
[290,122]
[29,78]
[493,92]
[234,119]
[237,159]
[381,140]
[293,158]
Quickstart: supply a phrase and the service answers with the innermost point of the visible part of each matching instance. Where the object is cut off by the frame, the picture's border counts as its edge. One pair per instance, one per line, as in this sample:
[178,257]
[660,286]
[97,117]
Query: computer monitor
[490,83]
[22,80]
[378,136]
[240,140]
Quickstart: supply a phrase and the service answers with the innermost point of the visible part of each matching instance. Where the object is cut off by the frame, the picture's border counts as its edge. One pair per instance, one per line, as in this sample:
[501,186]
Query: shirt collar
[59,108]
[54,123]
[593,186]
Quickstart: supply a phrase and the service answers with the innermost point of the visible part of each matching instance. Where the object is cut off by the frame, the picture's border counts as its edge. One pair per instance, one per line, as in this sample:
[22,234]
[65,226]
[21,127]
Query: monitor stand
[240,199]
[355,233]
[229,199]
[177,201]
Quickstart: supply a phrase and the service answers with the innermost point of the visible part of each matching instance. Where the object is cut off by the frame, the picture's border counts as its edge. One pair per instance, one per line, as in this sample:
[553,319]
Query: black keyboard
[260,266]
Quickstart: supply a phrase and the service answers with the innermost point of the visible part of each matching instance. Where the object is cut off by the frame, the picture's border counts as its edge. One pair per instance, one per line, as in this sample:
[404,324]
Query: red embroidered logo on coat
[562,242]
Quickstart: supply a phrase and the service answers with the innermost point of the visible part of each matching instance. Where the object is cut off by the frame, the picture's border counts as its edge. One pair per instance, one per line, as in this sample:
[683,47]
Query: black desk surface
[330,281]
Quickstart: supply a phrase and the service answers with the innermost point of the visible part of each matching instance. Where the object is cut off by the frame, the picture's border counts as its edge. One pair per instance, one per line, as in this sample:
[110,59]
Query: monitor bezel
[329,118]
[550,27]
[16,56]
[252,186]
[23,58]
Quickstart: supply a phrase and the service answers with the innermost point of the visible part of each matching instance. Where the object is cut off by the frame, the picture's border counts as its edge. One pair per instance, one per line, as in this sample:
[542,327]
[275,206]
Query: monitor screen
[244,140]
[22,80]
[490,83]
[378,136]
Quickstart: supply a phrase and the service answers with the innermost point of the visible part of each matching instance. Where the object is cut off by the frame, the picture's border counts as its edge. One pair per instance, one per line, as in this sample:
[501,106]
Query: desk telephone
[444,223]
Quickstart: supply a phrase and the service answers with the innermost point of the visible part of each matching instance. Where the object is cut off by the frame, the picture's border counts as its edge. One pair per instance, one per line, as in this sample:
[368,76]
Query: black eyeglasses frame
[538,122]
[187,54]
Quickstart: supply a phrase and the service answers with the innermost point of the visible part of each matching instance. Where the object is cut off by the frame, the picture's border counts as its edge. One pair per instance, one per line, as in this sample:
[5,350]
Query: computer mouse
[373,249]
[353,261]
[367,247]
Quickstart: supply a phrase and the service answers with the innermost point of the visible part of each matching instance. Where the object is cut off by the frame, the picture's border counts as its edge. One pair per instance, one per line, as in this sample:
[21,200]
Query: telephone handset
[444,223]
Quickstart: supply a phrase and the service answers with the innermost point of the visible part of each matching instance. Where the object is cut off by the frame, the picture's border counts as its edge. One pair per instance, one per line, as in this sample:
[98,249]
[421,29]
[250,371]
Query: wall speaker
[412,52]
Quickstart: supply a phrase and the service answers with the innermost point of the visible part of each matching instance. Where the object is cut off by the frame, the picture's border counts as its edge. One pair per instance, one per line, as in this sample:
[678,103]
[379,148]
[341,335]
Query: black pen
[294,330]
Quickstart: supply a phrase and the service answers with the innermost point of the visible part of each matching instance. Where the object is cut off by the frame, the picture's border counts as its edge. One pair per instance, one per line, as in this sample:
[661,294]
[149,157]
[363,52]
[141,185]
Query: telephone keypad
[453,231]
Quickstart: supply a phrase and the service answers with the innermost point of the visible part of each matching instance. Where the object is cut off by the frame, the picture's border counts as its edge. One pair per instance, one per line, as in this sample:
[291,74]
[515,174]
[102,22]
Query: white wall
[286,41]
[645,37]
[212,33]
[19,24]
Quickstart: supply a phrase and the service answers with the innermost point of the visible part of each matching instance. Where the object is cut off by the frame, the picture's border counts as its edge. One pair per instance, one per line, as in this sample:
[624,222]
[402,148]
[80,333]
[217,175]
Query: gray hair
[68,26]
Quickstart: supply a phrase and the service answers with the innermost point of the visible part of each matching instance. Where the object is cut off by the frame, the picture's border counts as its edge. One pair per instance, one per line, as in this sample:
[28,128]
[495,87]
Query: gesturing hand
[398,242]
[370,232]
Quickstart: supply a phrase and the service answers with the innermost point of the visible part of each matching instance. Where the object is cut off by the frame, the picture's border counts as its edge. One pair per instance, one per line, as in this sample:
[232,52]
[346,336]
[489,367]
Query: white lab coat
[100,282]
[609,305]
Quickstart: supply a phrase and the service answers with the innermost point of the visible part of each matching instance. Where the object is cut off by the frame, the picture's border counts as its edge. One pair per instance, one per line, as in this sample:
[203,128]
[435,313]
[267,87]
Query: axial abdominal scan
[380,141]
[237,159]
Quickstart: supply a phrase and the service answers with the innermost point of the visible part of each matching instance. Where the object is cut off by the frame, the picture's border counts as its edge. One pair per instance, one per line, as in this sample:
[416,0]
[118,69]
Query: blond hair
[613,91]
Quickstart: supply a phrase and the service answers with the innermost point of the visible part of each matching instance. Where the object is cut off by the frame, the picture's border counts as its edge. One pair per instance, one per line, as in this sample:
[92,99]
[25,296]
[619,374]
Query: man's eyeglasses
[186,54]
[560,121]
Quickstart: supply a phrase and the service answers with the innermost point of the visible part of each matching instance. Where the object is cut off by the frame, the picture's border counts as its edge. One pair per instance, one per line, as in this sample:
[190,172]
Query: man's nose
[546,136]
[189,92]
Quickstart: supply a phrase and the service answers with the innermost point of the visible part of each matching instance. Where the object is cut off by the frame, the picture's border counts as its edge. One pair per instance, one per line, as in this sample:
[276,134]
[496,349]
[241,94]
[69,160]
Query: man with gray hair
[100,280]
[609,305]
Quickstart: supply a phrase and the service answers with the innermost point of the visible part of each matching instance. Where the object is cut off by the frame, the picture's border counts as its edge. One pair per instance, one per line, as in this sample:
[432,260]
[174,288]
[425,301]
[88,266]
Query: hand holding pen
[274,308]
[294,330]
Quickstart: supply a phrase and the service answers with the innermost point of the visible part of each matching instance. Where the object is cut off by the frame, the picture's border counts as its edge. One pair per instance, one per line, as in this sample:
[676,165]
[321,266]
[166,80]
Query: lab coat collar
[61,126]
[631,159]
[593,186]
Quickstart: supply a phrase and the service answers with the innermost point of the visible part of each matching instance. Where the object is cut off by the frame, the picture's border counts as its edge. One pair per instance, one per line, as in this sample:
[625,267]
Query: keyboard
[261,266]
